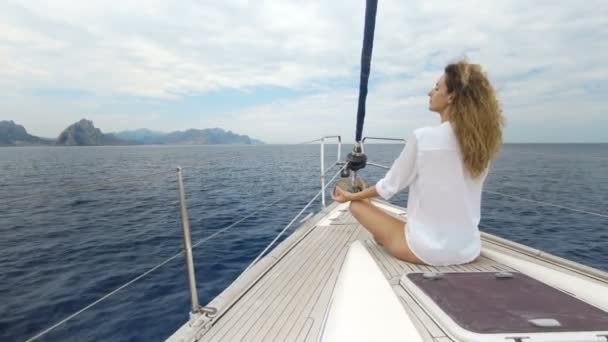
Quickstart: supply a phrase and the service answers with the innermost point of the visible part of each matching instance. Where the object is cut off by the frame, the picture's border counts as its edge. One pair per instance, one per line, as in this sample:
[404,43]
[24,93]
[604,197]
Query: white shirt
[444,203]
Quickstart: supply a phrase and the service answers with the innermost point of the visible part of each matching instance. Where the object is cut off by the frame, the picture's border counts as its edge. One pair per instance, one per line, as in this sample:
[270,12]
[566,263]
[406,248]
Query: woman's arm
[400,175]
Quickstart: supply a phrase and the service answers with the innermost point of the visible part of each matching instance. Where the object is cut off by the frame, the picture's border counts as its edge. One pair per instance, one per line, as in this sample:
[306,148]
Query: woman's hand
[341,196]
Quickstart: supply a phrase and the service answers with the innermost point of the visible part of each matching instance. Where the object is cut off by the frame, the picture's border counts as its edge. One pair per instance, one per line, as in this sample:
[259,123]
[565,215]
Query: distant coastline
[84,133]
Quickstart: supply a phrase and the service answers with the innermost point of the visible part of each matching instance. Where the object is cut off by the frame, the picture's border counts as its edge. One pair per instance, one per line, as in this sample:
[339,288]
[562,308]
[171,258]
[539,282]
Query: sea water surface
[76,223]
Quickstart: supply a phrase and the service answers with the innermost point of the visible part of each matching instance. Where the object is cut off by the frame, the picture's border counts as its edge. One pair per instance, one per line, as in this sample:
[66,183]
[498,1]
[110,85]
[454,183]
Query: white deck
[285,297]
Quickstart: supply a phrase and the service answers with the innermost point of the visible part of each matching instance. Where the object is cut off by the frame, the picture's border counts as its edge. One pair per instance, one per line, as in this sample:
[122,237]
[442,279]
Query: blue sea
[78,222]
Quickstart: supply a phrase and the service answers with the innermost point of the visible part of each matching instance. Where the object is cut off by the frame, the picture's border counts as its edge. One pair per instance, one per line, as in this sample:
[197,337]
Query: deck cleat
[432,275]
[503,275]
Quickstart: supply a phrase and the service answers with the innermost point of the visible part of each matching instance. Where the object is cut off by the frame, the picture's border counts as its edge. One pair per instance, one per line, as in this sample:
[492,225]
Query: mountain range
[209,136]
[12,134]
[84,133]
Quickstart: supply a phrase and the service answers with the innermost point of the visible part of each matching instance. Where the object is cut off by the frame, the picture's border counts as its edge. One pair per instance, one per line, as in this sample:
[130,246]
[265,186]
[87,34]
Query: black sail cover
[366,59]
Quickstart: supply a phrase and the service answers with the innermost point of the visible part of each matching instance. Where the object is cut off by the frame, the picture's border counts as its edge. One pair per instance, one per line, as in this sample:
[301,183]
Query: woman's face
[439,99]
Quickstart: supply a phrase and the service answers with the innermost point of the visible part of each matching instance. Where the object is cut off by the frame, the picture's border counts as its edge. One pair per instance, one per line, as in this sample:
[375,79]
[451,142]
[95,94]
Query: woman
[445,167]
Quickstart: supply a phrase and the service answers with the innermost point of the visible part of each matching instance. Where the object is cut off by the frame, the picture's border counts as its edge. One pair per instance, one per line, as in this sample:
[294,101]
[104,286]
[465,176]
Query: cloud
[546,58]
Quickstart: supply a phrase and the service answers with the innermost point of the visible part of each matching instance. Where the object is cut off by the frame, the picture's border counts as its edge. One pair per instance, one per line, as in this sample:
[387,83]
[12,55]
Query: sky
[288,71]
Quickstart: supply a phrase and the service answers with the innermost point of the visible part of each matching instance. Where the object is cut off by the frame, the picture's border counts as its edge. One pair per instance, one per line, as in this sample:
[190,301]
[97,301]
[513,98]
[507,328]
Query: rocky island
[12,134]
[83,133]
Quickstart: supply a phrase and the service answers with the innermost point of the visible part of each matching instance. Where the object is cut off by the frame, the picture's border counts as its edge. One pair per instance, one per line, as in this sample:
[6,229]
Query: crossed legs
[387,230]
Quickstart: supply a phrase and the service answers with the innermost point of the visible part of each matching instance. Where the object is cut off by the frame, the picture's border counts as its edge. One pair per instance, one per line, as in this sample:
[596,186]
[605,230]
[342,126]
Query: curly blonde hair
[475,115]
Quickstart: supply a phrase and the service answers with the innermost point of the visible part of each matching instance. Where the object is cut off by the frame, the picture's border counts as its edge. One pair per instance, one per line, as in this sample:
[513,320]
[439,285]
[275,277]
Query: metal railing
[378,138]
[196,308]
[323,170]
[338,161]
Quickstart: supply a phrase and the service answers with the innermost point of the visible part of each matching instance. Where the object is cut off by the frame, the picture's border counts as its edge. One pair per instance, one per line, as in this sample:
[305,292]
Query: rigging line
[504,177]
[239,221]
[492,176]
[308,142]
[319,140]
[293,220]
[589,212]
[594,158]
[44,332]
[526,199]
[548,204]
[84,188]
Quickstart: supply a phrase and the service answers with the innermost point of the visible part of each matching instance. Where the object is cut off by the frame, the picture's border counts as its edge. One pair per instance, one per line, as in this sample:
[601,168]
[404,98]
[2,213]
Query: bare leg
[387,230]
[377,240]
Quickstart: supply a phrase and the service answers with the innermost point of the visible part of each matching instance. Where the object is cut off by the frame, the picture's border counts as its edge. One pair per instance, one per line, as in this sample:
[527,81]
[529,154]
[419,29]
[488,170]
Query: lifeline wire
[548,204]
[294,219]
[44,332]
[585,211]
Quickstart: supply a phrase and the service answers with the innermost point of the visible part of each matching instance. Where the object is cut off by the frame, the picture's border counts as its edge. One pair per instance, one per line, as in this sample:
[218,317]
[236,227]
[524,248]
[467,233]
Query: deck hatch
[483,303]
